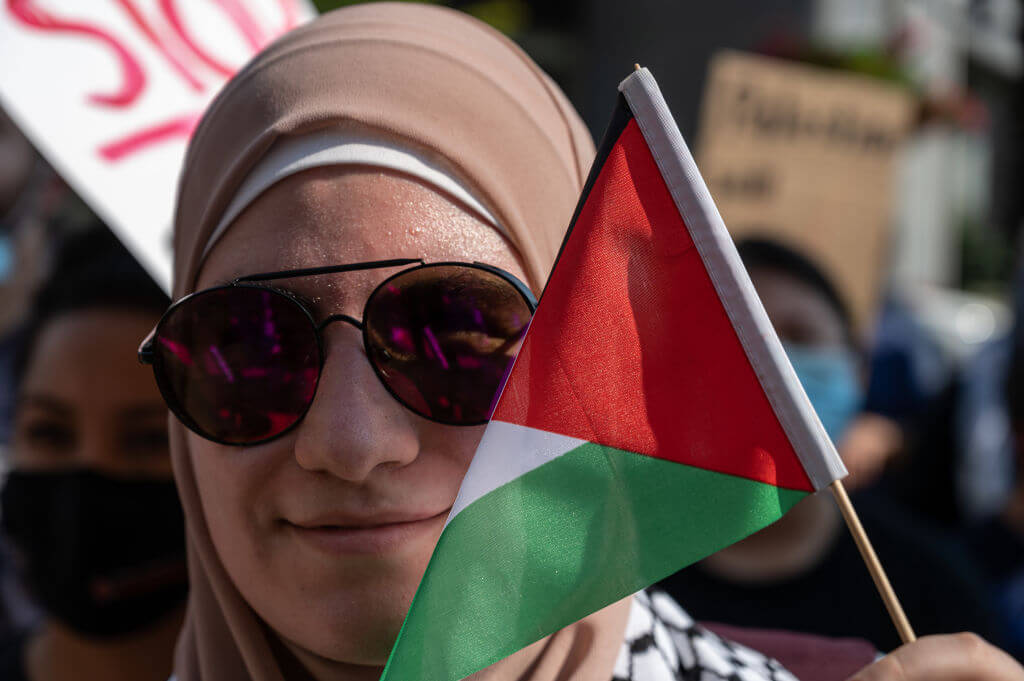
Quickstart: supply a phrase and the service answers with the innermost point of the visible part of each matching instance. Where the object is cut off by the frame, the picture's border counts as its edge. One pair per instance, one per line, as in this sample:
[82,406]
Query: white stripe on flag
[506,452]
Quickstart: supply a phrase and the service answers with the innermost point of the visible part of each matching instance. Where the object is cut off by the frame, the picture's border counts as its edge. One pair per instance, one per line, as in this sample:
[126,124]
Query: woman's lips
[367,538]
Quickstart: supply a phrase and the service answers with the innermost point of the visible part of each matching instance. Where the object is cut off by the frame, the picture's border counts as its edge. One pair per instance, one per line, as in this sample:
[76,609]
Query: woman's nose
[354,426]
[97,450]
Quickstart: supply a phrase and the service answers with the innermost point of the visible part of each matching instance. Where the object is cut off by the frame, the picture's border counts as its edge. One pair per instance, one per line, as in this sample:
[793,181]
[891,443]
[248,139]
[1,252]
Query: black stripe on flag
[621,117]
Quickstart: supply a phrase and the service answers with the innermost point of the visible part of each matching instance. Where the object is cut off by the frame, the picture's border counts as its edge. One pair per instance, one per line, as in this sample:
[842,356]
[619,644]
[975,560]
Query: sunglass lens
[442,338]
[239,365]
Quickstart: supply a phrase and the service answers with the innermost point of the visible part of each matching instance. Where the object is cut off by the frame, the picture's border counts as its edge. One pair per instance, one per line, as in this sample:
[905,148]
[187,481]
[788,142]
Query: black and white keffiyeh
[663,643]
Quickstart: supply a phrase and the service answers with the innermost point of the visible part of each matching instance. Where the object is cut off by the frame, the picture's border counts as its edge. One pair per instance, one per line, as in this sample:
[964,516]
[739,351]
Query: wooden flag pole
[892,604]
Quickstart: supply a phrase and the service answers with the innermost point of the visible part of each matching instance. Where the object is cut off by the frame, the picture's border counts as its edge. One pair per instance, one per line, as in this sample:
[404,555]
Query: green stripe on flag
[562,541]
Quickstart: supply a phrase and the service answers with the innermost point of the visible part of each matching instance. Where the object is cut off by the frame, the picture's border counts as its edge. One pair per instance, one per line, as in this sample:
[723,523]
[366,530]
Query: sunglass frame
[147,354]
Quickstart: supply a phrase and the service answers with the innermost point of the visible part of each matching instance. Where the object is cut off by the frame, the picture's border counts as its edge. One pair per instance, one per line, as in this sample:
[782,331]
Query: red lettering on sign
[291,14]
[162,47]
[176,128]
[170,11]
[251,30]
[174,42]
[133,79]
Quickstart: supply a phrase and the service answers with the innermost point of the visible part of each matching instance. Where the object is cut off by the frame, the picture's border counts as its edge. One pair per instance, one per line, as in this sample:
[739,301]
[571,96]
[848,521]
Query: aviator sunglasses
[239,364]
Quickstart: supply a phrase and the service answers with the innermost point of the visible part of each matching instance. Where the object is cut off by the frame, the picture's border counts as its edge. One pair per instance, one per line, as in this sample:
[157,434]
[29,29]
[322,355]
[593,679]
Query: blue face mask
[6,258]
[829,377]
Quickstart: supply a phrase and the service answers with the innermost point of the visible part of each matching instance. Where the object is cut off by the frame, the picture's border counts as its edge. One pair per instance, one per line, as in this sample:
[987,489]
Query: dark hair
[91,269]
[769,254]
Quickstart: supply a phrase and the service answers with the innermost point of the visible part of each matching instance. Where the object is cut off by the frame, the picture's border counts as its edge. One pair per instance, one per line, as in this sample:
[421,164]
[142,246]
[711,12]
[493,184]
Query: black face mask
[104,555]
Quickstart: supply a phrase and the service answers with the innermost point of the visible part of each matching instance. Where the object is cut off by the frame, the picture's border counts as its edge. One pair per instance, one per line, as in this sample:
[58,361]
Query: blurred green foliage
[986,258]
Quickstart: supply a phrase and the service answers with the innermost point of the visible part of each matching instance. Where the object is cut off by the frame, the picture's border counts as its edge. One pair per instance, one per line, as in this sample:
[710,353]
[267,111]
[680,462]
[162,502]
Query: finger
[953,657]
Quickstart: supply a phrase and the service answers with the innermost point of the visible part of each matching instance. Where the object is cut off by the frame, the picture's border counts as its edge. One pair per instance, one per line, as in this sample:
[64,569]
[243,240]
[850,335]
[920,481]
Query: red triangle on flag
[631,346]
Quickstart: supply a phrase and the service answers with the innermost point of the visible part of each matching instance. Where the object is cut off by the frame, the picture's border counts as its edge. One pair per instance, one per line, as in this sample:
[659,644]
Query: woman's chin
[351,614]
[357,632]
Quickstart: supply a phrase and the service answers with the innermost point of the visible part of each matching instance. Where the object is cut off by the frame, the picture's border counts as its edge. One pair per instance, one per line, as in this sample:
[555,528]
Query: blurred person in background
[20,246]
[804,572]
[961,469]
[89,505]
[998,542]
[23,262]
[37,209]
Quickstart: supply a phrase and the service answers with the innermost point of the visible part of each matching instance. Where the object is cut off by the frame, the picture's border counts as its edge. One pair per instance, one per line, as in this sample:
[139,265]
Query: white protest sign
[110,90]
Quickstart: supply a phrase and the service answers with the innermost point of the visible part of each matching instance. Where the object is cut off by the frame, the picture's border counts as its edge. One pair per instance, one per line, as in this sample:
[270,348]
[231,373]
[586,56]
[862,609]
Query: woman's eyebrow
[47,402]
[224,283]
[310,304]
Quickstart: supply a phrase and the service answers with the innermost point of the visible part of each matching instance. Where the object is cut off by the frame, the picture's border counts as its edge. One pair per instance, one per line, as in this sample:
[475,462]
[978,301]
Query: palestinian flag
[650,419]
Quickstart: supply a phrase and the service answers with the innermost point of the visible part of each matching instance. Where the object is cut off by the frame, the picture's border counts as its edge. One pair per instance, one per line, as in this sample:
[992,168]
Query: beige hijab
[440,83]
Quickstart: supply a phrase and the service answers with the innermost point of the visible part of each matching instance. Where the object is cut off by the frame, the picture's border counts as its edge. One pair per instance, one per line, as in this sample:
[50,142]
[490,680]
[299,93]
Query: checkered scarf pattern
[663,643]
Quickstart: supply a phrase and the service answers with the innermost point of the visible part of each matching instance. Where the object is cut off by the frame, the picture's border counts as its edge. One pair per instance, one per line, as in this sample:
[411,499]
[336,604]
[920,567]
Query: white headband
[330,148]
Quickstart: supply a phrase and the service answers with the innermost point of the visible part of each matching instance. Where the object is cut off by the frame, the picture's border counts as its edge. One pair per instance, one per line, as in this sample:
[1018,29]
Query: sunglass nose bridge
[340,318]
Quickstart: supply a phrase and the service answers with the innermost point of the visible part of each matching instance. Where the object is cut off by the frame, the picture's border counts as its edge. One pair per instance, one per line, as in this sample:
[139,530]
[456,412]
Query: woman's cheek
[235,487]
[456,444]
[447,452]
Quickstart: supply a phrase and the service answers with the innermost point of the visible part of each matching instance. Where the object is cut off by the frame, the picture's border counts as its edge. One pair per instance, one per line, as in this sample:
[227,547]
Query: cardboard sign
[805,155]
[109,91]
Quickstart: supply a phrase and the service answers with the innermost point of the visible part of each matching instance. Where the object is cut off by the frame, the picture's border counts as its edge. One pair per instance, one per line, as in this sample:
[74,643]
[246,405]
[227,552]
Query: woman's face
[85,401]
[818,346]
[799,313]
[326,531]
